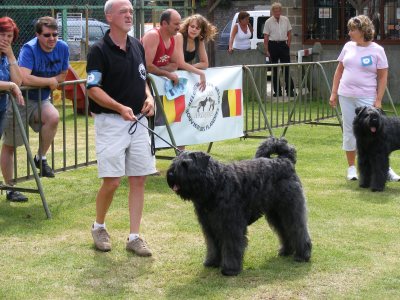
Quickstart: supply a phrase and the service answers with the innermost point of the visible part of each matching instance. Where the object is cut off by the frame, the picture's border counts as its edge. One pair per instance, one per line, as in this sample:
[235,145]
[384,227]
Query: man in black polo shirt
[119,94]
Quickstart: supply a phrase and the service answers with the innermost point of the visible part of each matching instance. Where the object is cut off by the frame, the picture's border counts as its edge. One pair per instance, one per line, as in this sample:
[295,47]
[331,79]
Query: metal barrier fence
[30,160]
[308,105]
[73,145]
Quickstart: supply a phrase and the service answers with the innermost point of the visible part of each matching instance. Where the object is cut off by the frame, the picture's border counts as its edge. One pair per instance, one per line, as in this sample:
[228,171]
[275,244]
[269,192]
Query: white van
[257,21]
[147,27]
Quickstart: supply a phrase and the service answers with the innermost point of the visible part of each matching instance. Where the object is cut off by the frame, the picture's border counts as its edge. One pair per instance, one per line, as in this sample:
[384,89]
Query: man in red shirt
[159,46]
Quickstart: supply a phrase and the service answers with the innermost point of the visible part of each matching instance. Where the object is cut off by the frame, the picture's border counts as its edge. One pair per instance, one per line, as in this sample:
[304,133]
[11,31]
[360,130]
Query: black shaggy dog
[377,135]
[229,197]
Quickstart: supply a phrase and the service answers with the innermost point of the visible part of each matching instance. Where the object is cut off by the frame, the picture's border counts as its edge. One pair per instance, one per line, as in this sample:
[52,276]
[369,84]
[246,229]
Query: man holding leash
[119,95]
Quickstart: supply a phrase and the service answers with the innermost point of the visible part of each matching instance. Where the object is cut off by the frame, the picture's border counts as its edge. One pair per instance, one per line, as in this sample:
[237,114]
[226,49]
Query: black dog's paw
[230,272]
[211,263]
[302,258]
[285,251]
[364,185]
[377,189]
[304,254]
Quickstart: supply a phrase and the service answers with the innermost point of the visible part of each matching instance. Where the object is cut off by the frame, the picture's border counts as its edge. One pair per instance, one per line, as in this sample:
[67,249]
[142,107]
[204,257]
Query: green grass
[355,236]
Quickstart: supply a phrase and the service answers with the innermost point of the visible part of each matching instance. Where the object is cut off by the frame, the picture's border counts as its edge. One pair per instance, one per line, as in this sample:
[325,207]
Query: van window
[260,27]
[74,33]
[223,39]
[227,28]
[95,33]
[251,21]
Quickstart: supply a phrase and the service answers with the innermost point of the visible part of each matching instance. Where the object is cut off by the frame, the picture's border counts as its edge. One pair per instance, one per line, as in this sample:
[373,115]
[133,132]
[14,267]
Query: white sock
[97,225]
[37,157]
[133,236]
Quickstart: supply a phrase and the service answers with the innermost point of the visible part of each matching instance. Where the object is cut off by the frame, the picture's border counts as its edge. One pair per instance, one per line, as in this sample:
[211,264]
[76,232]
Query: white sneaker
[352,173]
[392,176]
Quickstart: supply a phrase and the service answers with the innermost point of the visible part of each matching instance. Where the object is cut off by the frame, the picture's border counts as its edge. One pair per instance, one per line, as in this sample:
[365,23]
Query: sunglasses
[47,35]
[357,21]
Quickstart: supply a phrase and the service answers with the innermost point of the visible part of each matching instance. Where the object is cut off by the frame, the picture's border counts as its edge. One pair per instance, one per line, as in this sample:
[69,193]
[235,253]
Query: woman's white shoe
[392,176]
[352,173]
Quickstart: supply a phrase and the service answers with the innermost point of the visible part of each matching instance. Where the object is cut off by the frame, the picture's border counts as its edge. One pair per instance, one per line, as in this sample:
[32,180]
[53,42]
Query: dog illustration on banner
[202,109]
[229,197]
[202,104]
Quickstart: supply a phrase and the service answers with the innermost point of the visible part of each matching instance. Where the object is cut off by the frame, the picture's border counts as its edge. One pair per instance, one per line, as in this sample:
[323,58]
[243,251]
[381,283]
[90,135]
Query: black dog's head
[187,174]
[368,120]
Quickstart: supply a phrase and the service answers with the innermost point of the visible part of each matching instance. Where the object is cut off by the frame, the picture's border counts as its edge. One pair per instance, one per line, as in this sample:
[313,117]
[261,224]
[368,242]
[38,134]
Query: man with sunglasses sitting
[43,62]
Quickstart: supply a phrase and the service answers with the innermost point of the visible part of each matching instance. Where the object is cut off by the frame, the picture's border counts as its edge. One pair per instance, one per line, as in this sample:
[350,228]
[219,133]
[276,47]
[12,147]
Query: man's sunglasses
[47,35]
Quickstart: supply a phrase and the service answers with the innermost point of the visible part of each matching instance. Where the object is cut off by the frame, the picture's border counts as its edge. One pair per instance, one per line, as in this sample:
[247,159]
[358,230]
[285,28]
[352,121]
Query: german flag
[232,103]
[173,110]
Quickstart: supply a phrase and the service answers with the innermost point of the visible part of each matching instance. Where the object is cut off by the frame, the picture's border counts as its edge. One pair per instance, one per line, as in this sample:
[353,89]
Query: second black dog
[377,136]
[229,197]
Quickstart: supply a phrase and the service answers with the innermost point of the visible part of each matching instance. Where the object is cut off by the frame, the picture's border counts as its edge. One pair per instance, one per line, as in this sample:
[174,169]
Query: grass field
[355,234]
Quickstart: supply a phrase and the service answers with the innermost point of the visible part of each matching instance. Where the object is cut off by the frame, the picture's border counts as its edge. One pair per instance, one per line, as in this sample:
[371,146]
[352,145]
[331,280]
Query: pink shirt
[359,77]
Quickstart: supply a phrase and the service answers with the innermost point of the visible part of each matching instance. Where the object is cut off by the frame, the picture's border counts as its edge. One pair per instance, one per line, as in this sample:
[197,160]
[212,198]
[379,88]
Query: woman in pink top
[360,80]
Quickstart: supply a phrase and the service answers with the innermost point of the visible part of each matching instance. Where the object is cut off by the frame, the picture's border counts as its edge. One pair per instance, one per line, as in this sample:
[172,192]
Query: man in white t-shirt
[277,39]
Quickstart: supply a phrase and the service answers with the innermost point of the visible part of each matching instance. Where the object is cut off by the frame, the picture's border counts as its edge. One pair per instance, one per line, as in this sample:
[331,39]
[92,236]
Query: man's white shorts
[119,153]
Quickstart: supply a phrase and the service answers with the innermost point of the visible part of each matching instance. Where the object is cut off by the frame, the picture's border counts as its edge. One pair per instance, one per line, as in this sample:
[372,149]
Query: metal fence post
[30,157]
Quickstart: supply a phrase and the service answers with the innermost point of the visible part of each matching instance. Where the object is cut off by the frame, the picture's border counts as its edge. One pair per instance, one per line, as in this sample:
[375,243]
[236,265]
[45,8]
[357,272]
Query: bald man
[119,96]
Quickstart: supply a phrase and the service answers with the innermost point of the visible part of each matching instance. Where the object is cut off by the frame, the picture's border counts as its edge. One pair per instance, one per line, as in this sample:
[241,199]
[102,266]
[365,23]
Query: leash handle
[133,127]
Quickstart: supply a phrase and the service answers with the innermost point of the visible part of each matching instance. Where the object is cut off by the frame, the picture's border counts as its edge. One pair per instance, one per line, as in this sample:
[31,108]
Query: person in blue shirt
[10,80]
[10,75]
[43,62]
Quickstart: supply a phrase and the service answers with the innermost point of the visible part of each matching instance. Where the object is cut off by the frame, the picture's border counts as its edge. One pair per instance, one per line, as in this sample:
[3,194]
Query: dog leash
[133,127]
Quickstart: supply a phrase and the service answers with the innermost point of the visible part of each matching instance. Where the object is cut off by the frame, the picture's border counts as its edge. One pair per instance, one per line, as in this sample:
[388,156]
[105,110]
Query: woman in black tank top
[195,31]
[190,55]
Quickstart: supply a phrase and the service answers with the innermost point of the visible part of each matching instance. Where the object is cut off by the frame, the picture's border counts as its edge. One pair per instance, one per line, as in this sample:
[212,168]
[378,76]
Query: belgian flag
[173,110]
[232,103]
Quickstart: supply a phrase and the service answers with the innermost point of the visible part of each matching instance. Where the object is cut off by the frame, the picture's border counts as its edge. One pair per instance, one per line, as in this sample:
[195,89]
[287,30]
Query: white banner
[197,117]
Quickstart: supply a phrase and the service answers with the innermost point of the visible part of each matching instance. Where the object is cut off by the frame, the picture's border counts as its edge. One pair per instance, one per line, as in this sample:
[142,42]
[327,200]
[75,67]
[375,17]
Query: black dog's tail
[278,146]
